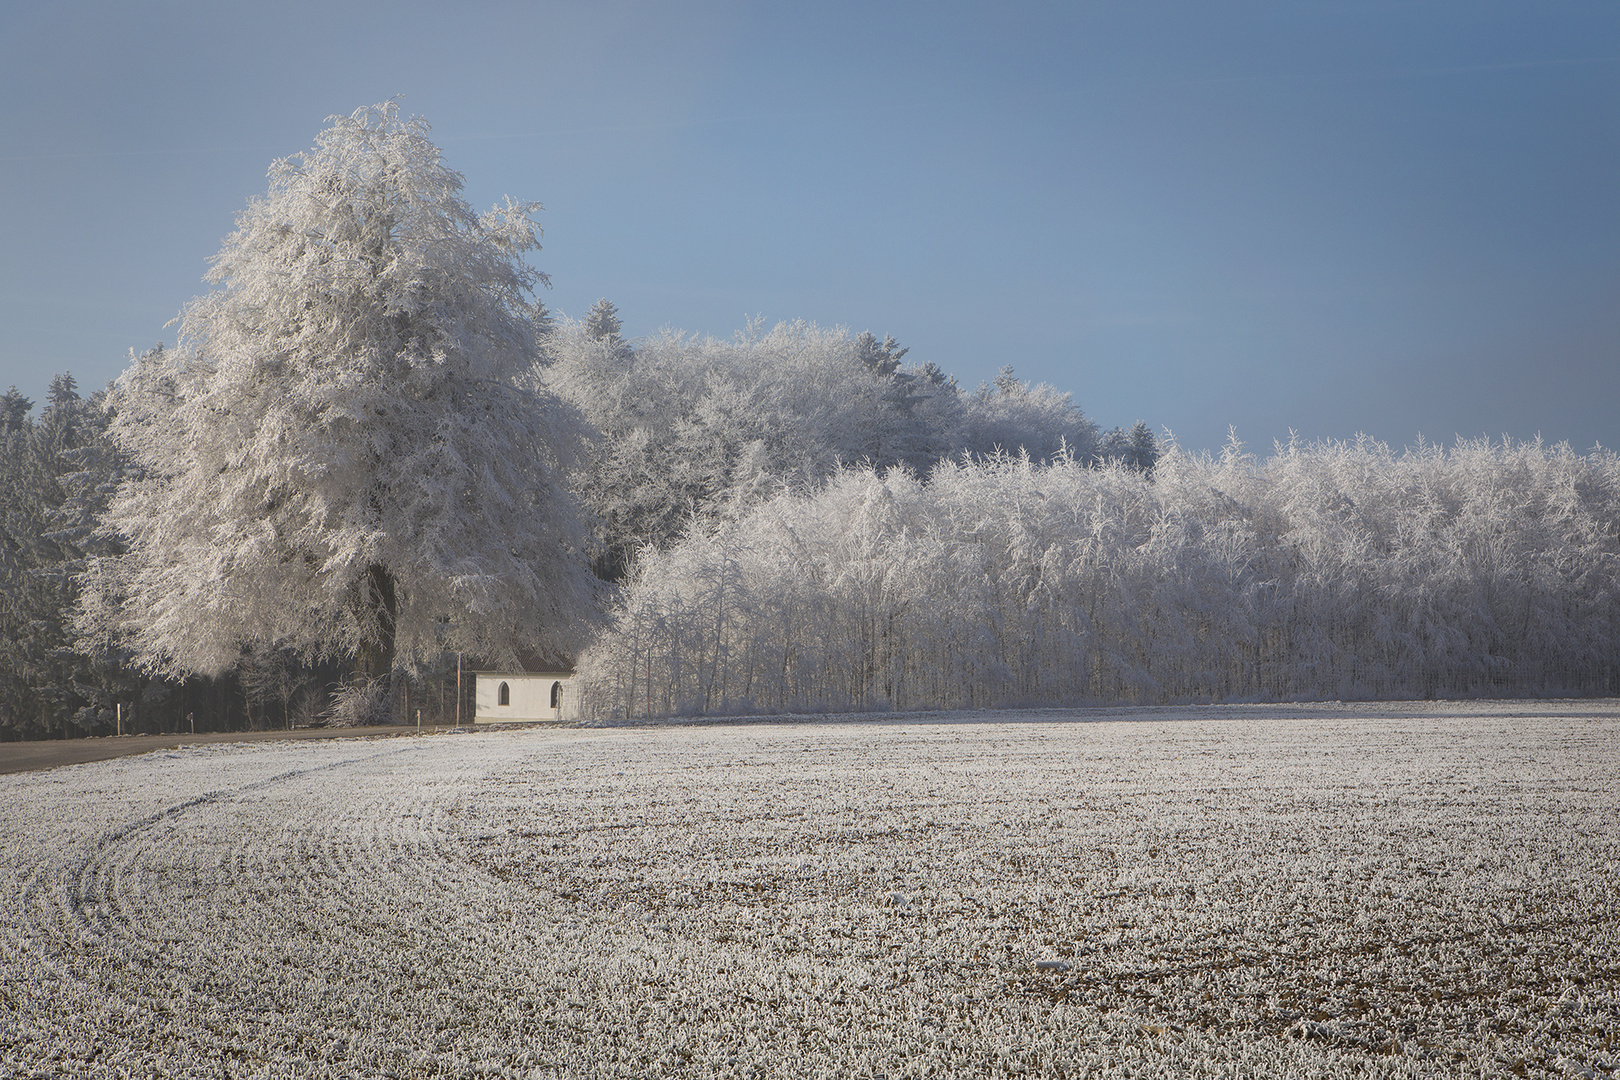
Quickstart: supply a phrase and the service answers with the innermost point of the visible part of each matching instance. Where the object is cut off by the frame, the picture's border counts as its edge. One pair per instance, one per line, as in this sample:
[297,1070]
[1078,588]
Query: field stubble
[1429,896]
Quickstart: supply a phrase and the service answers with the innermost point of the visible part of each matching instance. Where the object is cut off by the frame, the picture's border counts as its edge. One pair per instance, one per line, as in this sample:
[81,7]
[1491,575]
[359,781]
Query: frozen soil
[1435,893]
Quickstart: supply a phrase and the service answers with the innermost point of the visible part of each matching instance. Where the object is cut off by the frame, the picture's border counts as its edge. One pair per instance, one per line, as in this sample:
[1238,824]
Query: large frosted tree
[347,454]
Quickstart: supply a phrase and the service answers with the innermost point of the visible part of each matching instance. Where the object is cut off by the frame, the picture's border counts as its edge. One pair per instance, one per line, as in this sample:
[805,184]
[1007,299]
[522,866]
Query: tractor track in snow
[1300,898]
[125,884]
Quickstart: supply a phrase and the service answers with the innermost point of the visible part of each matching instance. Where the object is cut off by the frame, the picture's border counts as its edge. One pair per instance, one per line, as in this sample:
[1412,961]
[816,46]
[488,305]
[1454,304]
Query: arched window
[556,695]
[505,695]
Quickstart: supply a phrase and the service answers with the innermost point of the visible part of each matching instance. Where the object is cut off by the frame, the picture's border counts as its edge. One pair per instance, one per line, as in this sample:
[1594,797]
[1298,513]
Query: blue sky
[1390,218]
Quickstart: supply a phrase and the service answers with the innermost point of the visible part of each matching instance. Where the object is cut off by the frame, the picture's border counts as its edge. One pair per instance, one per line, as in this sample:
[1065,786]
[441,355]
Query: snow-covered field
[1422,891]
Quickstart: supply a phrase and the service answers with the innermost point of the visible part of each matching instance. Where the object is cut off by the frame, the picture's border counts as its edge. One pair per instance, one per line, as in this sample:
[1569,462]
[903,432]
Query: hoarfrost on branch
[347,454]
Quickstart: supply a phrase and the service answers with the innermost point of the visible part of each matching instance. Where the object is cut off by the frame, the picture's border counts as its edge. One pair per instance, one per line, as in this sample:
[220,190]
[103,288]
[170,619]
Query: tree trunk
[378,611]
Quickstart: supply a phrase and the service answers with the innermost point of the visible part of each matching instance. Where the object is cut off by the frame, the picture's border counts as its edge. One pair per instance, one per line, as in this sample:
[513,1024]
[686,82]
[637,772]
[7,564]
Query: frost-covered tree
[1012,416]
[25,604]
[1137,448]
[56,475]
[1142,448]
[346,455]
[602,323]
[880,357]
[1337,570]
[698,429]
[14,410]
[692,431]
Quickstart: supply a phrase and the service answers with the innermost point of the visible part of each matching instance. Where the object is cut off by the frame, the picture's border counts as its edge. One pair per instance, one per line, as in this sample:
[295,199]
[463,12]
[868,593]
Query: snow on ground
[1425,891]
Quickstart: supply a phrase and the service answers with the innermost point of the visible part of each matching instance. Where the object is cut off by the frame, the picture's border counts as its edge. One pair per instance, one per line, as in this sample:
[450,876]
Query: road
[18,757]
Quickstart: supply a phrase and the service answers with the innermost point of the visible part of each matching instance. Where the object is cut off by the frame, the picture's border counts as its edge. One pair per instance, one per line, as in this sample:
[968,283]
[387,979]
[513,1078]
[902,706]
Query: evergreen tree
[1142,447]
[602,322]
[14,410]
[880,357]
[1136,448]
[21,526]
[56,479]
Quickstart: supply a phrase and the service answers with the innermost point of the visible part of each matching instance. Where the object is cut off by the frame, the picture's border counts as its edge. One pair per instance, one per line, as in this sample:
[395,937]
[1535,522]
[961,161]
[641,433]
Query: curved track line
[90,902]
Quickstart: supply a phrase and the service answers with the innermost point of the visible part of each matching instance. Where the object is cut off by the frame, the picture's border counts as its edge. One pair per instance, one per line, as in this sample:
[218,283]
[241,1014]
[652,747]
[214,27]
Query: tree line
[672,437]
[374,453]
[1329,570]
[685,432]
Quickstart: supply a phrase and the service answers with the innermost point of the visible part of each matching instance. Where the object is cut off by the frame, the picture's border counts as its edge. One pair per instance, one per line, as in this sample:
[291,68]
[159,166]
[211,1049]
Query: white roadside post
[120,707]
